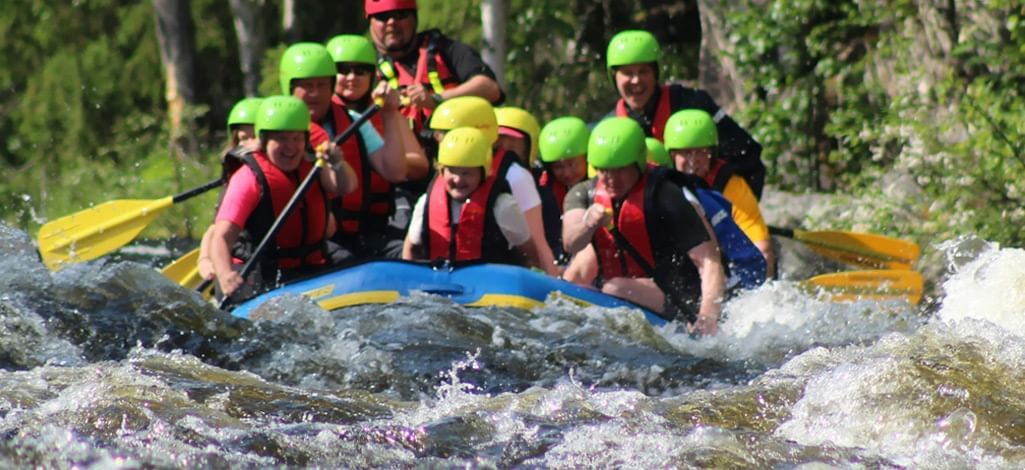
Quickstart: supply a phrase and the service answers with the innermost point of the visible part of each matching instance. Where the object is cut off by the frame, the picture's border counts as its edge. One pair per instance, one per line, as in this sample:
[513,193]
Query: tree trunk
[178,52]
[290,21]
[493,15]
[717,73]
[252,41]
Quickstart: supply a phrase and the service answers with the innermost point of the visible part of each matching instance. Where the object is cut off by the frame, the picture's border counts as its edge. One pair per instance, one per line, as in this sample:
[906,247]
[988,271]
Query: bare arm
[579,225]
[340,181]
[224,236]
[204,264]
[390,159]
[706,258]
[409,250]
[535,221]
[583,268]
[478,85]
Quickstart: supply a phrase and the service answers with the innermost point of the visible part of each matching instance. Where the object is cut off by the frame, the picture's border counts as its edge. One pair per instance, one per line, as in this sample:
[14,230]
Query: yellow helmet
[466,111]
[521,120]
[465,147]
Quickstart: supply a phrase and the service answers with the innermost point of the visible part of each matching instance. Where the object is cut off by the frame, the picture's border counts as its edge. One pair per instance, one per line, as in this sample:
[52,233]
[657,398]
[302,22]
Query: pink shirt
[240,198]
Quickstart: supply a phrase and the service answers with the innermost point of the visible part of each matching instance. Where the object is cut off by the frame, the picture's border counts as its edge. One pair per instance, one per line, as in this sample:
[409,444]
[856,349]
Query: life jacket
[626,248]
[431,70]
[630,221]
[736,146]
[373,200]
[719,174]
[501,161]
[558,189]
[745,265]
[301,240]
[476,235]
[662,113]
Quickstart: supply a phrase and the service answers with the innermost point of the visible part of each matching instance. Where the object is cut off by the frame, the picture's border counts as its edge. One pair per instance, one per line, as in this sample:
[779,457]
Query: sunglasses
[396,15]
[358,69]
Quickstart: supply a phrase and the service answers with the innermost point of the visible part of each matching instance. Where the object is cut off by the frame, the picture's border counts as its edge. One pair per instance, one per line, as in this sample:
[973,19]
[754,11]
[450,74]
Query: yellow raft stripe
[360,298]
[506,300]
[389,296]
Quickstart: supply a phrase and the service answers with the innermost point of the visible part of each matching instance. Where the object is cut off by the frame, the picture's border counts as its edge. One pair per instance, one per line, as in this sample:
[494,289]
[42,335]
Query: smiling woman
[256,196]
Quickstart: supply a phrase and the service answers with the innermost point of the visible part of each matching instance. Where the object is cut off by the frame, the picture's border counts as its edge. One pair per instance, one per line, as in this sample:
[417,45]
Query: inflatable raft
[475,285]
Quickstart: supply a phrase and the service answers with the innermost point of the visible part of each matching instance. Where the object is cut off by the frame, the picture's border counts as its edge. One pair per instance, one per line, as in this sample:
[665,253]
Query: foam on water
[946,395]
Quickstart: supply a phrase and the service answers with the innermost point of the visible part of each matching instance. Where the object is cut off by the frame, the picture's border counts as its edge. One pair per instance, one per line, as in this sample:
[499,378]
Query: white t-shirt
[521,184]
[507,214]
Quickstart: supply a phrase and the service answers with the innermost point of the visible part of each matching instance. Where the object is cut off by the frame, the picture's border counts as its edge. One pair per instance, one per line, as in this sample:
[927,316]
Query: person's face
[392,31]
[245,136]
[635,83]
[619,181]
[316,93]
[570,171]
[695,161]
[286,149]
[516,145]
[461,181]
[353,80]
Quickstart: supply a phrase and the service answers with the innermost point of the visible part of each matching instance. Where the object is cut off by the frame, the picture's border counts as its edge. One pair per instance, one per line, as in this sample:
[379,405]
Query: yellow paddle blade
[185,270]
[862,249]
[870,285]
[94,232]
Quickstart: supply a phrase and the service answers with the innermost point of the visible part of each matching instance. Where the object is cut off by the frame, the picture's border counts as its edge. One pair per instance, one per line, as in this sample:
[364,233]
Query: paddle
[185,270]
[296,198]
[870,285]
[860,249]
[96,231]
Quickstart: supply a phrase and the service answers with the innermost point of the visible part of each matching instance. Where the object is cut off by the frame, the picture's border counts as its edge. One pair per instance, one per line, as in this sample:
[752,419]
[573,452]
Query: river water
[109,365]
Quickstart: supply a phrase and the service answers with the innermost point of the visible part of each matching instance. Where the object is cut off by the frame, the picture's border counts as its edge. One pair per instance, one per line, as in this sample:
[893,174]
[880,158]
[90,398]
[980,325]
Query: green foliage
[914,108]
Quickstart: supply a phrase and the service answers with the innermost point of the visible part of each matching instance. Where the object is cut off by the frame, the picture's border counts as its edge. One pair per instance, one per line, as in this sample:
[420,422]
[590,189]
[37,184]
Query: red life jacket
[431,71]
[719,173]
[630,220]
[477,236]
[662,113]
[373,197]
[300,241]
[558,189]
[501,160]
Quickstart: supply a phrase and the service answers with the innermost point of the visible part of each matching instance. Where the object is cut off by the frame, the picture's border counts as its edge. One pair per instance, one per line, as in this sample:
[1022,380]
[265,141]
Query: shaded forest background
[909,112]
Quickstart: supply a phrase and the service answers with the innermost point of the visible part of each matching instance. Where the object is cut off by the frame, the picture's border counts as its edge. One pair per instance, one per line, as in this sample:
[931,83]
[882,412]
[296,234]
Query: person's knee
[615,287]
[635,291]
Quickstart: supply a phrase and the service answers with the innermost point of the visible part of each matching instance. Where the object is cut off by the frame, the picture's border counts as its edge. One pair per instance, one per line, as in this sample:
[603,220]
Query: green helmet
[244,112]
[631,47]
[352,48]
[304,60]
[282,113]
[657,153]
[563,138]
[615,143]
[690,128]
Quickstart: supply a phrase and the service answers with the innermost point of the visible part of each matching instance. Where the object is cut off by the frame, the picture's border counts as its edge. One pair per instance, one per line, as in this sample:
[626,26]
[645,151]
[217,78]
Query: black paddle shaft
[781,232]
[300,192]
[197,191]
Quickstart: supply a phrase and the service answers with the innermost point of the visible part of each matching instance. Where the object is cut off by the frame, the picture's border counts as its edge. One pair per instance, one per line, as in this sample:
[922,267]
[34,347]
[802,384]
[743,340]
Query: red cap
[373,7]
[502,130]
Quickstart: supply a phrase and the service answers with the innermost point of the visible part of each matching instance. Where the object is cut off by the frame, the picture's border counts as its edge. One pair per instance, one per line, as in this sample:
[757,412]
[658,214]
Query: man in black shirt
[635,232]
[428,66]
[632,62]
